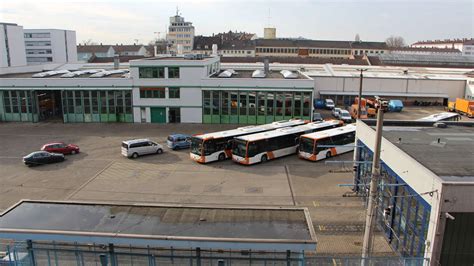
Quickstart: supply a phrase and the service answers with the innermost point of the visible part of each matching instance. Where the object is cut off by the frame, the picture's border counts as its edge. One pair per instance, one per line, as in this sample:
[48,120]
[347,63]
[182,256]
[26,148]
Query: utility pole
[374,182]
[360,90]
[356,150]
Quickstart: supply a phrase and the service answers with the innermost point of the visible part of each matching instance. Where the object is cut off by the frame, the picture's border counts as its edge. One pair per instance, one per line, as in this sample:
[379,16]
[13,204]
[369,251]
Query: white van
[138,147]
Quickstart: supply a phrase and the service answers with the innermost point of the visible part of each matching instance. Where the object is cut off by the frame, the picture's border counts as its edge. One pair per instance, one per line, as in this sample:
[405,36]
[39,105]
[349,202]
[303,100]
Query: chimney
[116,61]
[214,49]
[155,50]
[266,66]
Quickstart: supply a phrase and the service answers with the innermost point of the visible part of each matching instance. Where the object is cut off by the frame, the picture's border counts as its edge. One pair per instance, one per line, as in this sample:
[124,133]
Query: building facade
[425,189]
[50,46]
[180,32]
[12,46]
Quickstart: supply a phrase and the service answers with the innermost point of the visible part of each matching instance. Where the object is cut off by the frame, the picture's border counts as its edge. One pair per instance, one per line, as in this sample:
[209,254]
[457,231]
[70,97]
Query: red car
[60,147]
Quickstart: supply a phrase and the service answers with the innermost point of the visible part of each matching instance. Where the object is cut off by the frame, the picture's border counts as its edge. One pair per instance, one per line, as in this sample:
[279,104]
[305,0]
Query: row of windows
[183,42]
[183,29]
[39,59]
[18,101]
[158,72]
[295,50]
[296,104]
[97,102]
[236,52]
[159,93]
[38,43]
[38,51]
[183,35]
[38,35]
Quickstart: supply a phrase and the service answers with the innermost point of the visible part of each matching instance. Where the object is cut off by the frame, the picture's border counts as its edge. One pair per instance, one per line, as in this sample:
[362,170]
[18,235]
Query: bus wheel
[328,155]
[221,157]
[264,158]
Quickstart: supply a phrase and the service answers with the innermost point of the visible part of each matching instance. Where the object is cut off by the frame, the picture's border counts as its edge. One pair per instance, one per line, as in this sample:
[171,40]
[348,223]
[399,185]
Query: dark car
[42,157]
[317,117]
[60,147]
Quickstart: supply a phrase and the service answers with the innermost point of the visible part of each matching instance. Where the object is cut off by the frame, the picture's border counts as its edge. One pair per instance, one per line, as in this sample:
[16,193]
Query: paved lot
[100,173]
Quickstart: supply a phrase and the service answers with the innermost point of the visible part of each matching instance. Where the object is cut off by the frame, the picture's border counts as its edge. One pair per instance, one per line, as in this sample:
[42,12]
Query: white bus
[314,146]
[217,146]
[444,116]
[261,147]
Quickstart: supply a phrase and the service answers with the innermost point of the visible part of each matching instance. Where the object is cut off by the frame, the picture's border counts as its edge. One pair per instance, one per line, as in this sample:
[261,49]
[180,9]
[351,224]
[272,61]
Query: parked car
[395,106]
[317,117]
[319,103]
[60,147]
[336,112]
[345,116]
[329,103]
[138,147]
[42,157]
[178,141]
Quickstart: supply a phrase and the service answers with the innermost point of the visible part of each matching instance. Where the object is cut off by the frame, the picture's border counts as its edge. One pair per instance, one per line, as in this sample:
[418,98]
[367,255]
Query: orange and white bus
[328,143]
[264,146]
[217,146]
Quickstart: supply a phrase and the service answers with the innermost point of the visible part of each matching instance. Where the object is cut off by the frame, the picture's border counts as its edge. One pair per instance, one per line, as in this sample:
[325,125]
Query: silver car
[139,147]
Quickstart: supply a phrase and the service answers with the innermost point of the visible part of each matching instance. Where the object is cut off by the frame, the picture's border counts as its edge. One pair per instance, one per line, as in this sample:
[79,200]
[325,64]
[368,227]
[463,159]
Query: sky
[129,21]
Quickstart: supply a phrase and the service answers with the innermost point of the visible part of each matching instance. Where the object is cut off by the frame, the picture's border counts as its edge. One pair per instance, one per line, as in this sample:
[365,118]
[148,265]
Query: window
[173,93]
[152,93]
[38,35]
[173,72]
[151,72]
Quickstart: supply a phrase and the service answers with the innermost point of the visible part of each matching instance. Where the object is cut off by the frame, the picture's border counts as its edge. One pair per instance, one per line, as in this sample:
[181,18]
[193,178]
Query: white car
[329,103]
[139,147]
[336,112]
[345,116]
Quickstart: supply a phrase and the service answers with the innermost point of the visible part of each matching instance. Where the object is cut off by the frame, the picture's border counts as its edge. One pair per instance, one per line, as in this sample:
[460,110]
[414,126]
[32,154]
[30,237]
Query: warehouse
[191,233]
[426,188]
[196,89]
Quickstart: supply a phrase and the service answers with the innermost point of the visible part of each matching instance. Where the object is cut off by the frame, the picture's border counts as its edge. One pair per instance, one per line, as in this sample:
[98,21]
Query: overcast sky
[123,21]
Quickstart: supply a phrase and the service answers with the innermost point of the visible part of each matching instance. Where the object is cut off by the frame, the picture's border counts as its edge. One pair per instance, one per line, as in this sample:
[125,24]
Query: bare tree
[357,37]
[395,41]
[88,42]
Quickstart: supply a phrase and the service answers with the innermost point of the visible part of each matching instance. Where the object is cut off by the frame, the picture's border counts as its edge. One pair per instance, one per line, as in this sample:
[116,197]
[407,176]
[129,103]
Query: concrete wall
[413,173]
[16,46]
[191,115]
[453,88]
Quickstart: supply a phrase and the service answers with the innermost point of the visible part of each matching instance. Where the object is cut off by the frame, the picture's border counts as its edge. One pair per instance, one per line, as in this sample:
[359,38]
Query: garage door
[158,115]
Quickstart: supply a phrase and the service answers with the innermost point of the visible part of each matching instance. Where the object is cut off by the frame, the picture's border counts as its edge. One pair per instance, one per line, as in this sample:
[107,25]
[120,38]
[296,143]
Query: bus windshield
[306,145]
[239,147]
[196,146]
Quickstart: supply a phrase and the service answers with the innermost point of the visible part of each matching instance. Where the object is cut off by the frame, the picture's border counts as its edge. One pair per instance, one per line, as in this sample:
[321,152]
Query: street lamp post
[360,90]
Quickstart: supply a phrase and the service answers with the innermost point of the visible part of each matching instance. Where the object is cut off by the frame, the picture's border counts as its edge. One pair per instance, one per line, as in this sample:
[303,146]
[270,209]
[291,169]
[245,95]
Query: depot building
[157,90]
[425,193]
[196,89]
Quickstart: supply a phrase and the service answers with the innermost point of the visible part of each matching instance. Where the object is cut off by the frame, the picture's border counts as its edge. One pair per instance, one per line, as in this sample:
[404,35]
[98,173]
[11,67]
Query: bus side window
[323,142]
[253,149]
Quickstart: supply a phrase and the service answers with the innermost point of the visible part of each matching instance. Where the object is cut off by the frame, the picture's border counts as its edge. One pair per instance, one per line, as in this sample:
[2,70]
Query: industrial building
[195,89]
[193,234]
[425,194]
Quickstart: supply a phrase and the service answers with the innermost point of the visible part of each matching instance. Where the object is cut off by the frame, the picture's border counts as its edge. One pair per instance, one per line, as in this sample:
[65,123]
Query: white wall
[71,46]
[191,115]
[60,40]
[16,46]
[453,88]
[412,172]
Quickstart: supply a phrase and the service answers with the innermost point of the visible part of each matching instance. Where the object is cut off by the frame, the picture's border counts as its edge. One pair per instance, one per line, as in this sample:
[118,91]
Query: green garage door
[158,114]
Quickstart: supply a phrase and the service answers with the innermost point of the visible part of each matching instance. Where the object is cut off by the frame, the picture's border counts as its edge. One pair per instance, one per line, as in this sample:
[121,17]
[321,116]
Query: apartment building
[12,46]
[50,46]
[180,32]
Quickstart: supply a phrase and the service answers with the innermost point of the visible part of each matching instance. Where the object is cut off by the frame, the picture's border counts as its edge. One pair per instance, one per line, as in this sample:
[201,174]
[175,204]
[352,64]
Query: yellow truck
[462,106]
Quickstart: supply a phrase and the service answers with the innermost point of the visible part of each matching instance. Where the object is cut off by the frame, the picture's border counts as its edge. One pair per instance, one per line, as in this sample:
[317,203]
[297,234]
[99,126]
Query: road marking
[290,184]
[316,204]
[88,181]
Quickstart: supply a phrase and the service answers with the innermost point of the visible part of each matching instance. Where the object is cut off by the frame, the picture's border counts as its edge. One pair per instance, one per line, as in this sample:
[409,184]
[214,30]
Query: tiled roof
[426,49]
[93,48]
[122,58]
[127,48]
[320,44]
[295,60]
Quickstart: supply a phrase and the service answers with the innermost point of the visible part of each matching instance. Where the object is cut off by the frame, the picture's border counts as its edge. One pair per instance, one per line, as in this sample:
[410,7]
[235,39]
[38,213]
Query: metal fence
[67,254]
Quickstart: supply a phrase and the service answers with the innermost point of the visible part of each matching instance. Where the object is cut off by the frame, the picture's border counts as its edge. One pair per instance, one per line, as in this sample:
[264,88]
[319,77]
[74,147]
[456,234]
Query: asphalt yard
[100,173]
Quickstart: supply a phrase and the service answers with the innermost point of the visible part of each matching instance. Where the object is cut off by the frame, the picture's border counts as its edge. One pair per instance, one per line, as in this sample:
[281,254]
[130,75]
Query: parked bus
[445,116]
[217,146]
[314,146]
[264,146]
